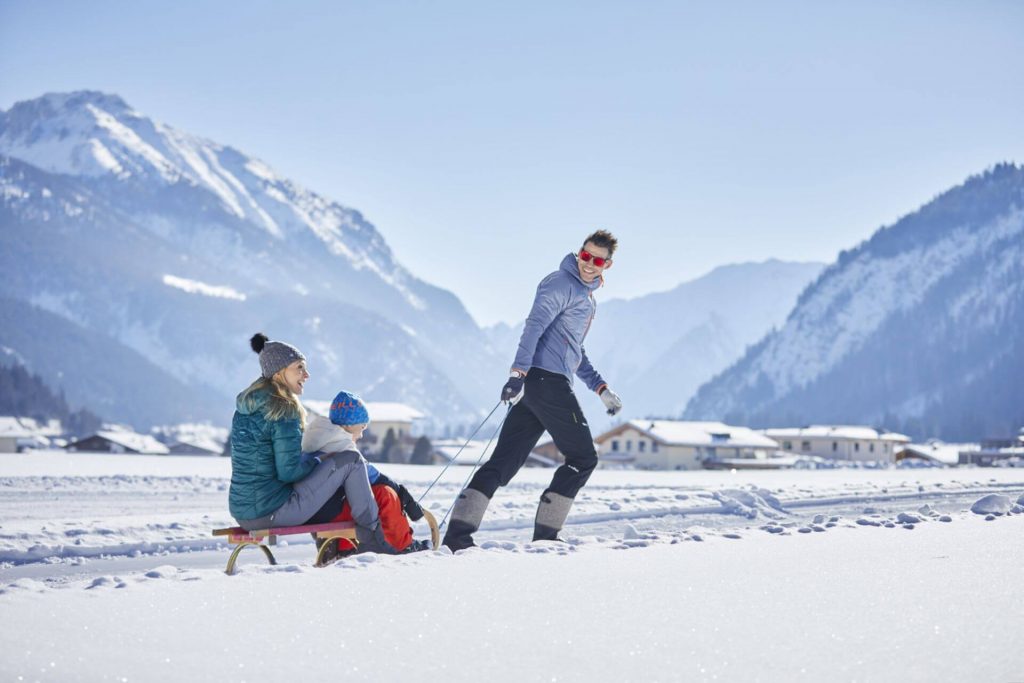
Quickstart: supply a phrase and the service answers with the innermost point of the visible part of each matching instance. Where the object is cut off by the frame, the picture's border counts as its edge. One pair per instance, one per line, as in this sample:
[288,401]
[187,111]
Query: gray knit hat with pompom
[274,355]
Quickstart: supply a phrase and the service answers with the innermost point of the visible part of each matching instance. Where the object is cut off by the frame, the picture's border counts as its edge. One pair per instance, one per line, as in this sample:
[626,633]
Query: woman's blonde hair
[281,402]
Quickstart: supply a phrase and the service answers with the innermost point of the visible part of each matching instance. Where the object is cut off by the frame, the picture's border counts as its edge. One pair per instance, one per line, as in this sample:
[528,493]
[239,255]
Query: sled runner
[263,538]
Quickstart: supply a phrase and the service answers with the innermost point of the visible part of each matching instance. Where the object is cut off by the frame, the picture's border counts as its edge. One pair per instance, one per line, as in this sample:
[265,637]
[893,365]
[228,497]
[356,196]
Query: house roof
[449,448]
[17,427]
[848,432]
[25,427]
[140,443]
[380,411]
[206,444]
[944,453]
[474,452]
[392,412]
[680,433]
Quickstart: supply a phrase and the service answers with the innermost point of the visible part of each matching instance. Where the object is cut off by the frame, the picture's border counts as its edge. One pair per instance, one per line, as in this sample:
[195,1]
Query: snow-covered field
[109,573]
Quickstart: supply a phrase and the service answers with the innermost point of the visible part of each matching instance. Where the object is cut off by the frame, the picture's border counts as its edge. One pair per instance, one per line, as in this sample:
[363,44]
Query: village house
[192,445]
[678,445]
[24,432]
[935,452]
[995,451]
[837,442]
[397,417]
[547,449]
[190,438]
[400,418]
[119,441]
[472,452]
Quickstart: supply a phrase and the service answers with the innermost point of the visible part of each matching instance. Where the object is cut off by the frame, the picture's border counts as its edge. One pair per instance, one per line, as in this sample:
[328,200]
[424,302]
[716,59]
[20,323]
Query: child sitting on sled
[338,433]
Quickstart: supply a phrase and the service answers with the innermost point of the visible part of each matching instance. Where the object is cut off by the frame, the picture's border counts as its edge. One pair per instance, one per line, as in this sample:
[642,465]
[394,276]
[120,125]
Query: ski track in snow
[66,524]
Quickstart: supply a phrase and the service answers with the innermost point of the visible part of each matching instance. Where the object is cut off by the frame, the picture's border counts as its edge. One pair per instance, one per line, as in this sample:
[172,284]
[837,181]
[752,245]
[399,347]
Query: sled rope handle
[444,520]
[457,454]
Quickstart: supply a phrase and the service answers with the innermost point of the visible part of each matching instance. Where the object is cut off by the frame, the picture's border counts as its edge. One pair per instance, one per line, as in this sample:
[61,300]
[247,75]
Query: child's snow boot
[373,541]
[417,546]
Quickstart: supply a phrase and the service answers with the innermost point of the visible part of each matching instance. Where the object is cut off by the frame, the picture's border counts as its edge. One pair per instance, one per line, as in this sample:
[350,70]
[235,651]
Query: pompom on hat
[274,355]
[348,409]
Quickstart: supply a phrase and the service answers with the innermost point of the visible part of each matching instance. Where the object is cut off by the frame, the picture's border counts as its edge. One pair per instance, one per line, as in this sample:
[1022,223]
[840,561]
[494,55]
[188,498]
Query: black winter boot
[417,546]
[551,514]
[466,517]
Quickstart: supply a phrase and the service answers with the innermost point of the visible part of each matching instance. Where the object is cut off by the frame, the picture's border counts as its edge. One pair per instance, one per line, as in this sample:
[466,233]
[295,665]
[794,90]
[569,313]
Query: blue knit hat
[348,409]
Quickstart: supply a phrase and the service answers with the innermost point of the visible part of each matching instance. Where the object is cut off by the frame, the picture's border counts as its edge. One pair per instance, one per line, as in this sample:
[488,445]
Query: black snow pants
[548,403]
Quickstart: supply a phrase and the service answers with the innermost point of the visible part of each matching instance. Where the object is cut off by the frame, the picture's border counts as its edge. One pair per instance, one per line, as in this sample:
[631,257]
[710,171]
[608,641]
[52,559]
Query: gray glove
[611,401]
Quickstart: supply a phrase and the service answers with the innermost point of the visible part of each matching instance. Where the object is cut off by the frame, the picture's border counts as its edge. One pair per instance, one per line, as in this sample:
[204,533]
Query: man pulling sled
[541,393]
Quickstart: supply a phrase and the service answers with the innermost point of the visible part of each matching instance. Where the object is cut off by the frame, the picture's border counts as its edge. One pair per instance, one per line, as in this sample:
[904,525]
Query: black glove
[513,388]
[409,504]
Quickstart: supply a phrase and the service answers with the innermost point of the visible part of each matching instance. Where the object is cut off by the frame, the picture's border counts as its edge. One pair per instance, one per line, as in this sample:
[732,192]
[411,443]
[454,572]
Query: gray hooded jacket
[552,339]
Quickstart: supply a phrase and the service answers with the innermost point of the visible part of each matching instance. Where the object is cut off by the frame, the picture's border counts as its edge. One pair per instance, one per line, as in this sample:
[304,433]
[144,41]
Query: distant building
[119,441]
[196,447]
[678,445]
[935,452]
[193,439]
[398,417]
[18,433]
[12,429]
[547,449]
[472,452]
[852,443]
[995,451]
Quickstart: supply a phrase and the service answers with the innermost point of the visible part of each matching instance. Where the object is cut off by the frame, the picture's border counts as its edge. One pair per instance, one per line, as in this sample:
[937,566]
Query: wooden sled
[264,538]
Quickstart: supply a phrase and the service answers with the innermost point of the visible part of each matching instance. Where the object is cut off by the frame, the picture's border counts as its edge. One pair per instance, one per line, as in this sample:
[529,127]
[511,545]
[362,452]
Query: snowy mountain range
[918,329]
[179,248]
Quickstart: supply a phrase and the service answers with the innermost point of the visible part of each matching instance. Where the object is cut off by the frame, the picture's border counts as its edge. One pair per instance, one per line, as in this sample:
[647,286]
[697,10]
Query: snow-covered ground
[109,573]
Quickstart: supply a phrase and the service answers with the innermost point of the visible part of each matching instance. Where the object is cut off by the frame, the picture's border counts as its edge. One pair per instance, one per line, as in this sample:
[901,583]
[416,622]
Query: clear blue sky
[485,139]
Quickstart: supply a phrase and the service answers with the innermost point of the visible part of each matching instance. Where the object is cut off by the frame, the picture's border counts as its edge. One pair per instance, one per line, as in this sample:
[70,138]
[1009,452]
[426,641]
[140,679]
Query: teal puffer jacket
[266,458]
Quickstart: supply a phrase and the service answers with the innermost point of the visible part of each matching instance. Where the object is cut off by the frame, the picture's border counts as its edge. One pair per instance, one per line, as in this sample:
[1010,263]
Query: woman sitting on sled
[272,483]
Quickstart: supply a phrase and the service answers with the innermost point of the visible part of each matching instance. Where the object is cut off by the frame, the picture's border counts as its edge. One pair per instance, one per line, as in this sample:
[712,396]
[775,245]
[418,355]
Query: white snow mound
[992,504]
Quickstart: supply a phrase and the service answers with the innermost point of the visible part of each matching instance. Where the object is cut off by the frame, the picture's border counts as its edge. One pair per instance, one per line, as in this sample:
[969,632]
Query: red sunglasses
[598,261]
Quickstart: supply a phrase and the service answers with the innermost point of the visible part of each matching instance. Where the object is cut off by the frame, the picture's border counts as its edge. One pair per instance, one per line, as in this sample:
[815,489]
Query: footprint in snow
[162,572]
[106,582]
[26,585]
[499,545]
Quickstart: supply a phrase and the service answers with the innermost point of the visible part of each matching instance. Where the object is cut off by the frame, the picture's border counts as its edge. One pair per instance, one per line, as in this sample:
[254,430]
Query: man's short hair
[603,238]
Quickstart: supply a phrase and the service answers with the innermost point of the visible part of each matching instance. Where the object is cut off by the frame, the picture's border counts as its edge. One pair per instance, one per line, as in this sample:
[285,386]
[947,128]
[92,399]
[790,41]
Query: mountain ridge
[899,326]
[72,173]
